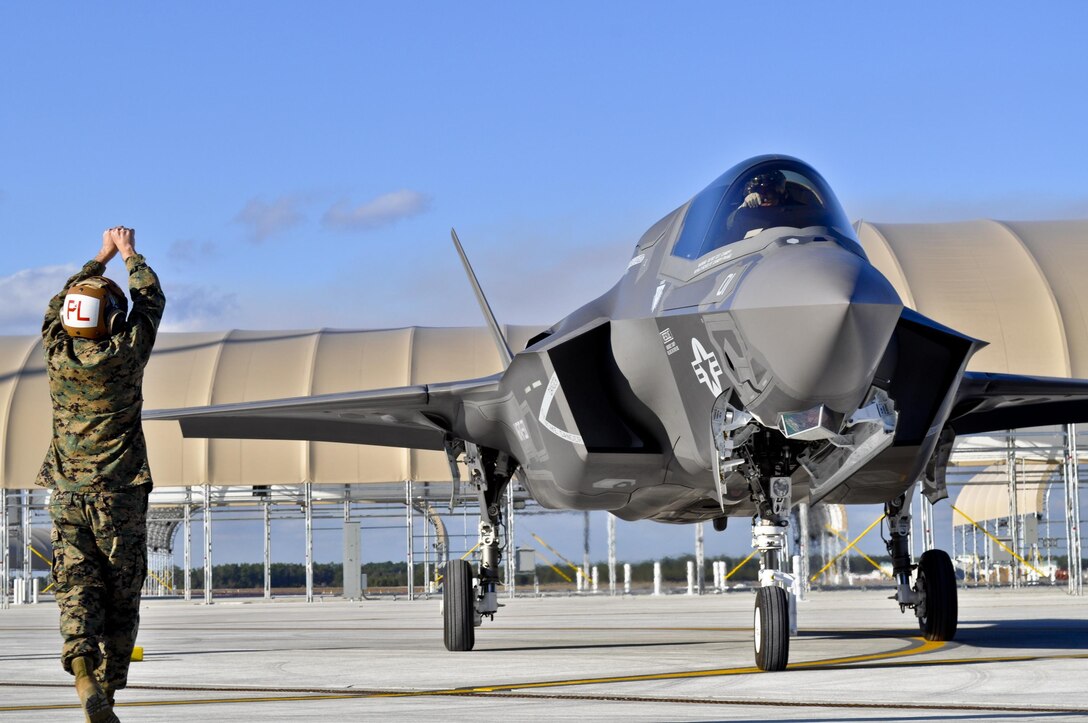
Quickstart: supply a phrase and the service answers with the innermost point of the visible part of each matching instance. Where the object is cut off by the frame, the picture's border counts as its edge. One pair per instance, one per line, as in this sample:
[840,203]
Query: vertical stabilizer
[500,340]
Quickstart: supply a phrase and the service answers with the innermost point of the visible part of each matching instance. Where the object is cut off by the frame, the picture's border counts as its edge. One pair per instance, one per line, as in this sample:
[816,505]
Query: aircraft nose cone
[817,319]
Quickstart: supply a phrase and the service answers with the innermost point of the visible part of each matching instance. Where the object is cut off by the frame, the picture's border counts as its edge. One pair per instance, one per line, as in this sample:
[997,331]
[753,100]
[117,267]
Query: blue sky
[325,149]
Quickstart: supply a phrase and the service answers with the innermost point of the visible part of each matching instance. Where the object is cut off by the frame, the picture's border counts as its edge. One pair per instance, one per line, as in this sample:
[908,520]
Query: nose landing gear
[771,619]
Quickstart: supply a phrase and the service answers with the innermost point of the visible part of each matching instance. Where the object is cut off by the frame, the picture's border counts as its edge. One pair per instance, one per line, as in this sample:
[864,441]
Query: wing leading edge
[418,416]
[991,402]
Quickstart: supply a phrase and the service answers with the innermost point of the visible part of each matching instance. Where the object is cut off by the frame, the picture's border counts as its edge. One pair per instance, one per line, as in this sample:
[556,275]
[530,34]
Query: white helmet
[94,308]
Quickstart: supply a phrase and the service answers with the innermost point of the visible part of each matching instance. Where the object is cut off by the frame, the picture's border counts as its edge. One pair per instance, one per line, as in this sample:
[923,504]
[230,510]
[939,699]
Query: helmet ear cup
[117,297]
[115,320]
[116,309]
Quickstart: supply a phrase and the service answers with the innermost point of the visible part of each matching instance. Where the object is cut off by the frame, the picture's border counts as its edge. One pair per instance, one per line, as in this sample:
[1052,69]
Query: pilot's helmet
[94,308]
[770,185]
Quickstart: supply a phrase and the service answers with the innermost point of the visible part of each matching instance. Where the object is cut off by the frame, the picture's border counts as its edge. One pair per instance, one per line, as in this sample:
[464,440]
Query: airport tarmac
[1019,655]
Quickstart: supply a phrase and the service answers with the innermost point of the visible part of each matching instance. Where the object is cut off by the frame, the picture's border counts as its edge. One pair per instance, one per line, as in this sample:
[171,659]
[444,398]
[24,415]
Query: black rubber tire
[458,609]
[937,581]
[771,625]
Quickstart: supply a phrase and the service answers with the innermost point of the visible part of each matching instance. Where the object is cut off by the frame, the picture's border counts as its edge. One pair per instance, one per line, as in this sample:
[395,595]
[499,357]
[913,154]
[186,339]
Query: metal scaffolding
[1006,546]
[974,547]
[1071,479]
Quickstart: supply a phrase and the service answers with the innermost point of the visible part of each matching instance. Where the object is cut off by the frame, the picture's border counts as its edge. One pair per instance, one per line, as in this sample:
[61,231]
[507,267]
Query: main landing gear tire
[458,608]
[772,628]
[937,583]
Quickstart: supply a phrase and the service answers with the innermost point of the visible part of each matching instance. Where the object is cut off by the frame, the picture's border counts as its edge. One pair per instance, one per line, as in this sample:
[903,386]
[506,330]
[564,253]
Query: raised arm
[148,301]
[51,326]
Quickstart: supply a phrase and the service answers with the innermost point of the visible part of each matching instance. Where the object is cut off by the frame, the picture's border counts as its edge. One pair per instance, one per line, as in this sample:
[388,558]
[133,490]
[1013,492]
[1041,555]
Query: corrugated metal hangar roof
[1019,286]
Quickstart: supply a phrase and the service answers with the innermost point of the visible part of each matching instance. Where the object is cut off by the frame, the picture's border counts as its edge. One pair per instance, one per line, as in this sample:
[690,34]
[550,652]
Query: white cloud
[188,251]
[26,293]
[195,307]
[381,211]
[266,219]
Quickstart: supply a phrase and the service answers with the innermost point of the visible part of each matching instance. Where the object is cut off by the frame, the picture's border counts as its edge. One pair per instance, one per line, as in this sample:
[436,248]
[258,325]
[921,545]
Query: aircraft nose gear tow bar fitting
[772,621]
[465,599]
[933,595]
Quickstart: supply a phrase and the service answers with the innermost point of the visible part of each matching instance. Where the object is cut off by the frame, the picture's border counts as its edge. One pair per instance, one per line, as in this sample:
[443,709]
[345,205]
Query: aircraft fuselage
[611,408]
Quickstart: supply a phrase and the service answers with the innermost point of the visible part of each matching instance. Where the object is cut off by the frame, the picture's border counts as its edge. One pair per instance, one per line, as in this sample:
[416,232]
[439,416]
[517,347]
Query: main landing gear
[466,598]
[771,622]
[933,595]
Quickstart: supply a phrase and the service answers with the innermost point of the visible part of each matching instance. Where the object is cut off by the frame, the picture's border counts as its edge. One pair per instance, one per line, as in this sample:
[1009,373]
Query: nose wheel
[771,626]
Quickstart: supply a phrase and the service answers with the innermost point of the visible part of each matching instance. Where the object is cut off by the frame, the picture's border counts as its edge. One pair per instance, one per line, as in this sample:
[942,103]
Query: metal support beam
[187,522]
[308,501]
[700,559]
[803,547]
[925,518]
[611,554]
[28,540]
[585,545]
[207,544]
[974,552]
[5,543]
[1014,509]
[410,542]
[1072,511]
[268,547]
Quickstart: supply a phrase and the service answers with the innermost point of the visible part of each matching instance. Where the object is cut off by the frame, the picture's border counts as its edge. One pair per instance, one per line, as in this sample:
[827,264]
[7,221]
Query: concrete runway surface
[1019,656]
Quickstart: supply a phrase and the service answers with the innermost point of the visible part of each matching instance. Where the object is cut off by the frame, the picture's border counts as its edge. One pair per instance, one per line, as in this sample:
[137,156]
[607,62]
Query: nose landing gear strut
[771,621]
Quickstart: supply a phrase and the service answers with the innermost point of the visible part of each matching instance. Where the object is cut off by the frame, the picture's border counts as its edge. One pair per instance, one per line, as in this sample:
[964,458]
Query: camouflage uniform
[96,466]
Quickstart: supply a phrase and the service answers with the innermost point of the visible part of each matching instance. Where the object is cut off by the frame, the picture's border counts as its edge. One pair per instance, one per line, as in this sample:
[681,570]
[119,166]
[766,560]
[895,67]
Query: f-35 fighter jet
[749,358]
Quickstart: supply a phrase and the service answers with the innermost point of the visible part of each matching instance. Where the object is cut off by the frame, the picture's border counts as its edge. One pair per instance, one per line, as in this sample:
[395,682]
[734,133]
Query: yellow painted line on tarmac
[919,647]
[916,647]
[190,701]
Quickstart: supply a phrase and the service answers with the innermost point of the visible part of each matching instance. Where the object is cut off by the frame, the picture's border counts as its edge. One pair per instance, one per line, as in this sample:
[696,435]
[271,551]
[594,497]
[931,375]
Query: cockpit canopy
[757,195]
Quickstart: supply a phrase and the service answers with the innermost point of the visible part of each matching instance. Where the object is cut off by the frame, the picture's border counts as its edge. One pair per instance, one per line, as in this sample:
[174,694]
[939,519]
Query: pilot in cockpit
[768,189]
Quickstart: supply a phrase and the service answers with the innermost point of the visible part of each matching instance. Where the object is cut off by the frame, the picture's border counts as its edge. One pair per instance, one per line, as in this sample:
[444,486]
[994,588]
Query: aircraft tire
[458,611]
[937,580]
[772,628]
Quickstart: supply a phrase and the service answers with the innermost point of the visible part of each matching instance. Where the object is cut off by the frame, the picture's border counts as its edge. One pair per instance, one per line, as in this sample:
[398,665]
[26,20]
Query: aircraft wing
[417,416]
[992,402]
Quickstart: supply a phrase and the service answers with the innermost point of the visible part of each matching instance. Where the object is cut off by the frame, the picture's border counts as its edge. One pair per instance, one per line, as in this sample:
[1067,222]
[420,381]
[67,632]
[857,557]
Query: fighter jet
[749,358]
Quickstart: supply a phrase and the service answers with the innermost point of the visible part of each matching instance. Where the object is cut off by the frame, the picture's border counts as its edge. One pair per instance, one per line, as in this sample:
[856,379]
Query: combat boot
[96,704]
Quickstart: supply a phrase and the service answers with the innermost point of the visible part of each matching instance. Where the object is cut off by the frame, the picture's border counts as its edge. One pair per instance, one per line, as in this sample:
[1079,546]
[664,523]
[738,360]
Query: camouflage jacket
[98,441]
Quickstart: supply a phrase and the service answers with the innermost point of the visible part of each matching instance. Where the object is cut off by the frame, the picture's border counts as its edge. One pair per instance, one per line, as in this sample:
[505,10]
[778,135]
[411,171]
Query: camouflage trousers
[99,566]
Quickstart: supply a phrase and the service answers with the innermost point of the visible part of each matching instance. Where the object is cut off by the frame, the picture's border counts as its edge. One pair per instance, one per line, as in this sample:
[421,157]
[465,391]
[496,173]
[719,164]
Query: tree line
[389,574]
